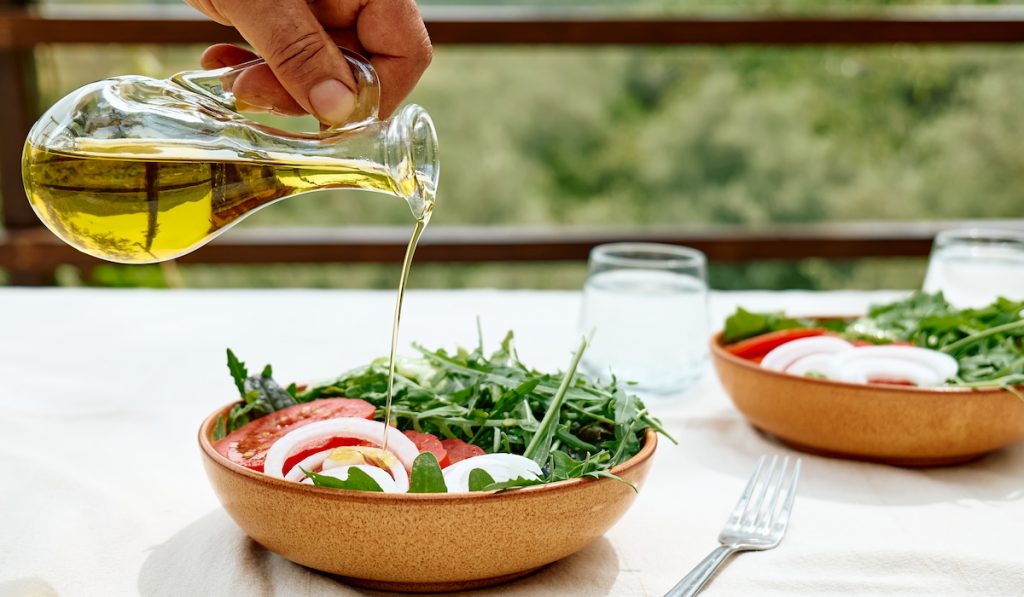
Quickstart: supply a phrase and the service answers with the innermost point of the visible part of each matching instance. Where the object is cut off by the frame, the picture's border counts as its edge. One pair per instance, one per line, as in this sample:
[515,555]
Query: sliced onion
[371,431]
[393,465]
[501,467]
[814,363]
[869,369]
[379,475]
[782,357]
[309,463]
[871,361]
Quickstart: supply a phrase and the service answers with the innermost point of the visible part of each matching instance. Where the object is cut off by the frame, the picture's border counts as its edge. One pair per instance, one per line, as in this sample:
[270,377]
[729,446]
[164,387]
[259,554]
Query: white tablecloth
[102,492]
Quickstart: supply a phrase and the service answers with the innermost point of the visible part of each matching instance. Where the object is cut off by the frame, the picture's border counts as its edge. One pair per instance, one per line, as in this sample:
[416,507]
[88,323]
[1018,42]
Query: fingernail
[332,101]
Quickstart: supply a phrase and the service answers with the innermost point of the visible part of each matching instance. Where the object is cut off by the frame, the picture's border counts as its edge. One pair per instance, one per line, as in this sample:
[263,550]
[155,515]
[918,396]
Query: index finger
[299,52]
[393,33]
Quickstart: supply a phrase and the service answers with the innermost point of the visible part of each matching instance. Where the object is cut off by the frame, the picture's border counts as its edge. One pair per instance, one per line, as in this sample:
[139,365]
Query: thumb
[299,52]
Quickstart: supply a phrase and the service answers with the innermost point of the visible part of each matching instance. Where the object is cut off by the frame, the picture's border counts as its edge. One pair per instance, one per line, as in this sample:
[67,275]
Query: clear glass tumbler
[973,267]
[647,306]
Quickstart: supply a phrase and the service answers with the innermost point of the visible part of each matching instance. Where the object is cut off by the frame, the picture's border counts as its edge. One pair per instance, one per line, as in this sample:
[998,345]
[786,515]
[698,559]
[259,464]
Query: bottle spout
[412,158]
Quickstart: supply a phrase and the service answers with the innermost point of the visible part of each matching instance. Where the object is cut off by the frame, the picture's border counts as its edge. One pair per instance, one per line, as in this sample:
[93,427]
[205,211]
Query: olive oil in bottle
[132,204]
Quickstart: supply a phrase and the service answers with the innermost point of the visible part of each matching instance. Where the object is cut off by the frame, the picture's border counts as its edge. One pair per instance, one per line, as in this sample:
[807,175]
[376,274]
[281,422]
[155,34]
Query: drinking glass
[973,267]
[647,307]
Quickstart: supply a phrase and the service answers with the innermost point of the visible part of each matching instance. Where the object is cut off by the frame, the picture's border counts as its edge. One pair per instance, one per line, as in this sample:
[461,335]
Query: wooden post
[18,105]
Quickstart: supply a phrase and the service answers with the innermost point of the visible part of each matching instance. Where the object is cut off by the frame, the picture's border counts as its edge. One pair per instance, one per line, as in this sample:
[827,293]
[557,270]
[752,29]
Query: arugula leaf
[357,481]
[267,392]
[220,429]
[602,474]
[238,372]
[513,484]
[480,480]
[426,475]
[565,467]
[261,395]
[745,324]
[242,413]
[625,422]
[540,444]
[565,436]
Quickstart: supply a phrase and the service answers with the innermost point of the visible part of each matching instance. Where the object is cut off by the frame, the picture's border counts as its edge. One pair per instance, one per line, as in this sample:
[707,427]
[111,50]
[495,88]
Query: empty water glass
[647,307]
[973,267]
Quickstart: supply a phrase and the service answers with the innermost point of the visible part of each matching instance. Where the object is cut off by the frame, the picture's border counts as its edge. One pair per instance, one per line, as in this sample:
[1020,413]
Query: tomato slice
[426,442]
[460,450]
[758,346]
[248,446]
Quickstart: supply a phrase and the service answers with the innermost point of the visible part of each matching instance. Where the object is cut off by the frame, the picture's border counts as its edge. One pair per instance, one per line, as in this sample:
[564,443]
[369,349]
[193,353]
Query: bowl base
[903,461]
[435,587]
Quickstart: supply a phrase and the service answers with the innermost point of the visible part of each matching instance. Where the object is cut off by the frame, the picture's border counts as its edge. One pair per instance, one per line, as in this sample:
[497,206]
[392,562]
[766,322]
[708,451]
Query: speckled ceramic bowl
[898,425]
[423,542]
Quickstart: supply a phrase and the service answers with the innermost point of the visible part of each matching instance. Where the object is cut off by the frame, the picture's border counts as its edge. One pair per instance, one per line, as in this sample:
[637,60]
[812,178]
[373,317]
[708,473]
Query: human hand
[299,39]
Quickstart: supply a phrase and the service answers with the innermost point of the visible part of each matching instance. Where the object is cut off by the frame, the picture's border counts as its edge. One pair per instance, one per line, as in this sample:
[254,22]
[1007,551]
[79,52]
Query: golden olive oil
[120,203]
[410,250]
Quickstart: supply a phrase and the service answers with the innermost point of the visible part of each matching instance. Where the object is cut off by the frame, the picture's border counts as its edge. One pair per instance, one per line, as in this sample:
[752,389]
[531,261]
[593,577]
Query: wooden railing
[30,254]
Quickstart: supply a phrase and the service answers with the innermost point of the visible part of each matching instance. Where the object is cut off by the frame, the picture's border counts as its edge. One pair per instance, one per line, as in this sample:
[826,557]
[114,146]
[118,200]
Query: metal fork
[756,523]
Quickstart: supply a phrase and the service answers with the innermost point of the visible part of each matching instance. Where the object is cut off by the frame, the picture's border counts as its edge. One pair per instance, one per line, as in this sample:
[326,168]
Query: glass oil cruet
[139,170]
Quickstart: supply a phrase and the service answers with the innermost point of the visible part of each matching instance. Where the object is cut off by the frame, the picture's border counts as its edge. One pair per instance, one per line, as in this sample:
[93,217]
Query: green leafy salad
[523,426]
[987,343]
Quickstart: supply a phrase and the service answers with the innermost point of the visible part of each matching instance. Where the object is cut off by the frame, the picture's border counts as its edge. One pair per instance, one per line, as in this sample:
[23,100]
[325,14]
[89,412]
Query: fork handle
[693,582]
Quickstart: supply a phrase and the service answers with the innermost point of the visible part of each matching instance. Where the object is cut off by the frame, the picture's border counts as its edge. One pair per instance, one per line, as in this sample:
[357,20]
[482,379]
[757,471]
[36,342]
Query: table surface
[102,491]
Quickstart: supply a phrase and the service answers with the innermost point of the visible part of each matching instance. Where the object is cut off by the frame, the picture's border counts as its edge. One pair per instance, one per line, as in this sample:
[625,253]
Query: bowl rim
[647,449]
[718,351]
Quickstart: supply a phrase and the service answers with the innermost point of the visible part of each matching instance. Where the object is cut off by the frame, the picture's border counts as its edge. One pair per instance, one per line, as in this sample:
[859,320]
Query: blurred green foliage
[670,137]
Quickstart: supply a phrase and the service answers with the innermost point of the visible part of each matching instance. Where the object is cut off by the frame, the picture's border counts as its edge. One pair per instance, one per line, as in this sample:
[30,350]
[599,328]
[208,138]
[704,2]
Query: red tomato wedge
[758,346]
[248,446]
[426,442]
[459,450]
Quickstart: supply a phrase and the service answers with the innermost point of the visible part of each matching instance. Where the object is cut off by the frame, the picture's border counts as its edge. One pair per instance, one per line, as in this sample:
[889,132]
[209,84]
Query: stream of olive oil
[410,250]
[146,202]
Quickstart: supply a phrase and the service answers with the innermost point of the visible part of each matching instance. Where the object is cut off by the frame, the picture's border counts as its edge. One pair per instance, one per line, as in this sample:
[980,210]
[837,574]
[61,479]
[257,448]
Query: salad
[463,421]
[920,341]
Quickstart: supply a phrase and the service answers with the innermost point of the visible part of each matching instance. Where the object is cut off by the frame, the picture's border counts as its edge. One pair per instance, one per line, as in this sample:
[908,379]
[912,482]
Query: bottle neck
[398,156]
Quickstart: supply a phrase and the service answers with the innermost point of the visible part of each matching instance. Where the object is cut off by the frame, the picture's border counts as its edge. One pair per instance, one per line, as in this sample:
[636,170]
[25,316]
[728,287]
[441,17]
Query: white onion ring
[309,463]
[383,479]
[812,363]
[782,357]
[398,474]
[501,467]
[865,370]
[941,365]
[364,429]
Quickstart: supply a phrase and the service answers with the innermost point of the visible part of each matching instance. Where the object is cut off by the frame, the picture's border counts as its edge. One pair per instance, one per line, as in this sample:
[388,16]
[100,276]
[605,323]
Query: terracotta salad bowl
[899,425]
[422,542]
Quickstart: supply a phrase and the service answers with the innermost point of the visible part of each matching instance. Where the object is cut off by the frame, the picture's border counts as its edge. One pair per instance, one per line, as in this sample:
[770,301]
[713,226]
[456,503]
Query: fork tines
[759,510]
